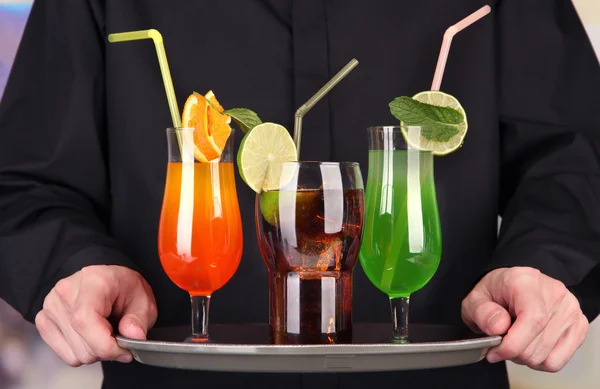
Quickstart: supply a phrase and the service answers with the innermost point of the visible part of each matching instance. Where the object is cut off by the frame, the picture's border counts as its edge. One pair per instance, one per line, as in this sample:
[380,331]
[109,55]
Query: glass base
[197,339]
[310,307]
[200,308]
[399,307]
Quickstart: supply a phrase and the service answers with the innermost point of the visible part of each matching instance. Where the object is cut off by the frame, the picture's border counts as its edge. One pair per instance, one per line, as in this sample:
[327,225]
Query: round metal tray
[246,348]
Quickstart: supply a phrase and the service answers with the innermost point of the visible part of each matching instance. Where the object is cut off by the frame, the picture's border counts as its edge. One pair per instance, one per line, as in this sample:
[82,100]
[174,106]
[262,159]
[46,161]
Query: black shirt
[83,147]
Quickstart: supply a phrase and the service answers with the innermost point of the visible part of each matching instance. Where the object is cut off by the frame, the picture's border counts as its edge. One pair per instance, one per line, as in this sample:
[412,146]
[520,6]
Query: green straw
[162,61]
[303,110]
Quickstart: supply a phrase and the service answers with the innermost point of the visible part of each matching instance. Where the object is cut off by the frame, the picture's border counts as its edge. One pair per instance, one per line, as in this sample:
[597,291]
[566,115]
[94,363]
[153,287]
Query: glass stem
[200,306]
[399,307]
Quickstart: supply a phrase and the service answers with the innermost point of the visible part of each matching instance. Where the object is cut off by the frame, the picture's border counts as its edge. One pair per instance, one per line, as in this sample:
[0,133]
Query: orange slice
[195,116]
[211,126]
[218,123]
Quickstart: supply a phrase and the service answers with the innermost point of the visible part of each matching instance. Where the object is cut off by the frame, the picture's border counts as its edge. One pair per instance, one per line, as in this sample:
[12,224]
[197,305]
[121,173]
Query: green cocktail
[402,240]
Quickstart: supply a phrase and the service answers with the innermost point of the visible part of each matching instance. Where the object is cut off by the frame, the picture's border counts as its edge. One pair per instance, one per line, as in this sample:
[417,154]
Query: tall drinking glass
[402,241]
[309,230]
[200,232]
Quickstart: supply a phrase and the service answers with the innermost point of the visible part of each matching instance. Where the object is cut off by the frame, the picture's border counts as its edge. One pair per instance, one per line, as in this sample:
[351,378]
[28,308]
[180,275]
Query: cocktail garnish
[431,120]
[439,123]
[260,155]
[244,118]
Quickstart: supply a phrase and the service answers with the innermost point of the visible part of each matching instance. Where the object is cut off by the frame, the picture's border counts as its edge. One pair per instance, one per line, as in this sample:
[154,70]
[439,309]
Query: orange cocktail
[200,231]
[215,248]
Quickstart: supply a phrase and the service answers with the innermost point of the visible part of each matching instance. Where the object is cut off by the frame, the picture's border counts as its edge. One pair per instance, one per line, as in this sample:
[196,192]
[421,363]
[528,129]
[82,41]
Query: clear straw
[162,61]
[304,108]
[450,33]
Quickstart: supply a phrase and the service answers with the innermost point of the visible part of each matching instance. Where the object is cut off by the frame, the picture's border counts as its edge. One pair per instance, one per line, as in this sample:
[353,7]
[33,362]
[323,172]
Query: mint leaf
[244,118]
[439,124]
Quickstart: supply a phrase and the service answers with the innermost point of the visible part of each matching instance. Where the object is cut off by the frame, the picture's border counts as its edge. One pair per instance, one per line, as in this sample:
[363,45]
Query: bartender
[83,160]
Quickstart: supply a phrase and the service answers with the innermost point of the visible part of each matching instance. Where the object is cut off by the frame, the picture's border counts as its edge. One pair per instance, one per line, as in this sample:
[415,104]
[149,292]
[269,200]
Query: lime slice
[303,204]
[266,144]
[441,99]
[269,207]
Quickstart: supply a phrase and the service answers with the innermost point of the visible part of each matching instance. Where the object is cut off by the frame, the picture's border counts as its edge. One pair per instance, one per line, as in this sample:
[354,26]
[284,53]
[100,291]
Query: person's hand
[548,323]
[74,321]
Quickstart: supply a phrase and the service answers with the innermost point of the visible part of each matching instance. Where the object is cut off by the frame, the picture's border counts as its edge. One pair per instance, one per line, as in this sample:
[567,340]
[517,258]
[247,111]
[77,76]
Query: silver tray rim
[484,342]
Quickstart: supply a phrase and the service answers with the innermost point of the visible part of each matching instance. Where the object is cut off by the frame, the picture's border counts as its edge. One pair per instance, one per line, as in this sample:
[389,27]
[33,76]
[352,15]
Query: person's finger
[539,349]
[89,319]
[529,351]
[67,289]
[566,346]
[529,324]
[561,319]
[139,314]
[59,314]
[54,338]
[481,314]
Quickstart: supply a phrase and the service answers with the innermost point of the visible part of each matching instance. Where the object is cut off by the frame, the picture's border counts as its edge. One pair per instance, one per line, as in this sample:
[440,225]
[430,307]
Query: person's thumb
[138,315]
[482,314]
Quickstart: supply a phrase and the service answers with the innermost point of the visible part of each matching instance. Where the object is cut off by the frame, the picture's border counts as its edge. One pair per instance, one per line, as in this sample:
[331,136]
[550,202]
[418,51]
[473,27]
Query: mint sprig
[244,118]
[439,124]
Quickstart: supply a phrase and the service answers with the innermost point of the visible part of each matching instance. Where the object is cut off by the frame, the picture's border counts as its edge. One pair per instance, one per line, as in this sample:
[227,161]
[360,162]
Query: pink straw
[450,32]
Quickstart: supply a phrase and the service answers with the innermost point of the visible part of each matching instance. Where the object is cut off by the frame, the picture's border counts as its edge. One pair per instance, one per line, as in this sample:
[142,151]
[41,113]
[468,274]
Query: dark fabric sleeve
[54,189]
[549,111]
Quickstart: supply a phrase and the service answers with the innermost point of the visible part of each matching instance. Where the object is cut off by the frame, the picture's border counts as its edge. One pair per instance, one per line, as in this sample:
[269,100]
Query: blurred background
[26,362]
